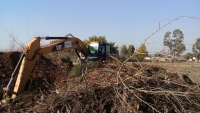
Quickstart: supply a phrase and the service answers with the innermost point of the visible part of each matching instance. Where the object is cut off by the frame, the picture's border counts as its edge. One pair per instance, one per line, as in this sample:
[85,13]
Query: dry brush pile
[133,87]
[113,87]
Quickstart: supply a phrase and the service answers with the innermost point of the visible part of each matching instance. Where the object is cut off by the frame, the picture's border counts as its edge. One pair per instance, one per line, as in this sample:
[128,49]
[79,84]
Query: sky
[120,21]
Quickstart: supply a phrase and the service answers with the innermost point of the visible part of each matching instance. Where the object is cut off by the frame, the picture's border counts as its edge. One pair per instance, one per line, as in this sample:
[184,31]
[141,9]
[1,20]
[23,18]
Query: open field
[192,69]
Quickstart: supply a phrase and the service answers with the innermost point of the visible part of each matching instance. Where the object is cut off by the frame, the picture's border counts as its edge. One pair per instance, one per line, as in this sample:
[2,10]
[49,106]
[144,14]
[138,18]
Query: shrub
[77,69]
[67,60]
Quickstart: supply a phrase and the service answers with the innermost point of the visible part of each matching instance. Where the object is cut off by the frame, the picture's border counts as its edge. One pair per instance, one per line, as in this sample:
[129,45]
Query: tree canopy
[124,49]
[131,50]
[180,48]
[94,39]
[174,42]
[188,56]
[196,48]
[141,52]
[113,48]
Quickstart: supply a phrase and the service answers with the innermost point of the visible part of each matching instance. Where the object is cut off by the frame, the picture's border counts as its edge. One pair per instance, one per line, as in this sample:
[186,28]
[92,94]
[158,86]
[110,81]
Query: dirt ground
[97,87]
[192,69]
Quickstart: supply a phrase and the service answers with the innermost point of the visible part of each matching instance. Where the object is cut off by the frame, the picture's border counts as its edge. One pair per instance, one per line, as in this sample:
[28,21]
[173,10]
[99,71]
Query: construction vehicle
[94,51]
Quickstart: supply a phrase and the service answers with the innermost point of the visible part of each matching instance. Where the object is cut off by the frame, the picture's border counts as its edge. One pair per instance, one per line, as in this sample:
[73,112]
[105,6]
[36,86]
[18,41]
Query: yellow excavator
[94,51]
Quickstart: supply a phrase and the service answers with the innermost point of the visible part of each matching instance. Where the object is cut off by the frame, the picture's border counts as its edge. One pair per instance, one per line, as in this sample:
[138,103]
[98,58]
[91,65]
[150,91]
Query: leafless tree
[14,42]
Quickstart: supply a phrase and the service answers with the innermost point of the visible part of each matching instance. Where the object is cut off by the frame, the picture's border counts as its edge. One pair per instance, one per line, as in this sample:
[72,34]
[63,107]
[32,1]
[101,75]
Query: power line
[170,23]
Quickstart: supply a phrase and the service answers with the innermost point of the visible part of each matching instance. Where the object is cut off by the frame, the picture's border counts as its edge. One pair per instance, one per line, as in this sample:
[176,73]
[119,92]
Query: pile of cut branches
[130,87]
[113,87]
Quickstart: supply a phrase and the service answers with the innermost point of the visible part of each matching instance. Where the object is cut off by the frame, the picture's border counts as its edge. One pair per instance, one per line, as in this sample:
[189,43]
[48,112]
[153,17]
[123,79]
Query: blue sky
[121,21]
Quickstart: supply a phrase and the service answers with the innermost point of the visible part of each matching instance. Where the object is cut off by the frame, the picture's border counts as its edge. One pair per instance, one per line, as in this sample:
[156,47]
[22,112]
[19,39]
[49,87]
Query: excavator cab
[98,51]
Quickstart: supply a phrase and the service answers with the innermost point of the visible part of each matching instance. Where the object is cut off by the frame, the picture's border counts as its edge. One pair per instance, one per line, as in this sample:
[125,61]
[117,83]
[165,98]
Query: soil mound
[8,61]
[43,74]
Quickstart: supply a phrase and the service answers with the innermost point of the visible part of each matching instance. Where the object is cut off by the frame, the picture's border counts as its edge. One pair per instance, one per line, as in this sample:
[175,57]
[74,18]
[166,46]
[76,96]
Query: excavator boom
[33,50]
[67,43]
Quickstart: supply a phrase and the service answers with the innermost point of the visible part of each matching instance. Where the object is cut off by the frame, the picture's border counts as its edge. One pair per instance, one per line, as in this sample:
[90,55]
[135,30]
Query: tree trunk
[197,60]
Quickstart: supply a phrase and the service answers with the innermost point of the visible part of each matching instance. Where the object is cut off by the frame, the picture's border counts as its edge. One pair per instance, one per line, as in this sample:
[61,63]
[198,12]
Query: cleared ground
[192,69]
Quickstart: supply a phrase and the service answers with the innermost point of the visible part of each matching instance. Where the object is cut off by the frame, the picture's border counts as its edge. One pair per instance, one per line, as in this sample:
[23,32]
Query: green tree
[113,48]
[188,56]
[124,49]
[175,43]
[180,48]
[95,39]
[141,52]
[196,49]
[131,50]
[167,40]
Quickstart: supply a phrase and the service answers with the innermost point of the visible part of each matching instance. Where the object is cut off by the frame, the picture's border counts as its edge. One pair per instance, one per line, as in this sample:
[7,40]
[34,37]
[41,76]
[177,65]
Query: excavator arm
[30,56]
[66,43]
